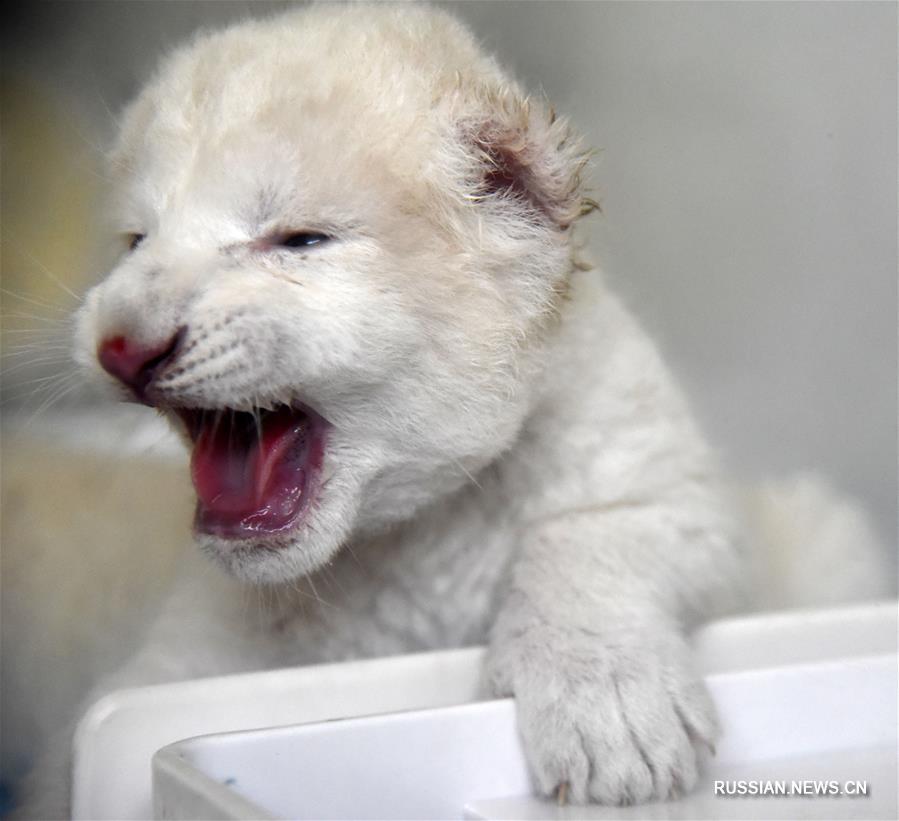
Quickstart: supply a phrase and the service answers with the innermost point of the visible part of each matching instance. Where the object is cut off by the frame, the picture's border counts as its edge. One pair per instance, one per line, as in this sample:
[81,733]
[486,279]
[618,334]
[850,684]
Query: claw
[562,794]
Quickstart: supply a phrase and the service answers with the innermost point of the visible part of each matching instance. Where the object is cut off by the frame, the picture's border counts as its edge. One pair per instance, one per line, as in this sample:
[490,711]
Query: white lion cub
[351,287]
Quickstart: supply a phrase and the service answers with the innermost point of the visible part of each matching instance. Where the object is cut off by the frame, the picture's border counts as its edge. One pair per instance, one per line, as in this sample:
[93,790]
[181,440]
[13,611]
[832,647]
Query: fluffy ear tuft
[530,155]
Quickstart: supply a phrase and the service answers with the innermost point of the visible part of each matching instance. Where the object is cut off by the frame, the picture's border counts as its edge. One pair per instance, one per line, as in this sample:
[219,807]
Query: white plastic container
[788,723]
[119,735]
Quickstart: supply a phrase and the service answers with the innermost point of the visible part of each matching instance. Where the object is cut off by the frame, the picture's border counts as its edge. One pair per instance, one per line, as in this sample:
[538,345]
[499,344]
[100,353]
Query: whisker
[305,593]
[19,366]
[349,548]
[41,392]
[50,401]
[33,301]
[315,592]
[44,339]
[51,276]
[54,319]
[331,576]
[51,340]
[468,474]
[21,350]
[38,352]
[113,119]
[32,331]
[41,379]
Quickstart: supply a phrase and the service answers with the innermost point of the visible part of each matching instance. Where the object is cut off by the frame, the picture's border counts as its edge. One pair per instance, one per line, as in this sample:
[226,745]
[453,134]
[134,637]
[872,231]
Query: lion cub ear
[527,156]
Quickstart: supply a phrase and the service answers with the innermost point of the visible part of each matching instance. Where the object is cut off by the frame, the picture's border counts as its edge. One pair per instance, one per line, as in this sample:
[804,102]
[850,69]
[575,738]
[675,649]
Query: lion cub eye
[133,240]
[302,239]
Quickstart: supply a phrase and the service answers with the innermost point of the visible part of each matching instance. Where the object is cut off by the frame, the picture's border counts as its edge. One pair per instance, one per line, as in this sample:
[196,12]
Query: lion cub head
[347,235]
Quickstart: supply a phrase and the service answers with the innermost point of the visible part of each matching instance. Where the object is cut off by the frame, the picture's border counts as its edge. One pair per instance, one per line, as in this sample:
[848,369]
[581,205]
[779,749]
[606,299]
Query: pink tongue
[249,478]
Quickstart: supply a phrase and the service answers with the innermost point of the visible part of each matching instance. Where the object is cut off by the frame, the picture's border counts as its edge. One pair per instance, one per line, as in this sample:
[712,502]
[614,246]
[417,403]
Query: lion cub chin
[349,282]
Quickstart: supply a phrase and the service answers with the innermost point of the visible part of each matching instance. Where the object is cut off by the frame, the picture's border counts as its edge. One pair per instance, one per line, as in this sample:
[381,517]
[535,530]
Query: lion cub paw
[610,718]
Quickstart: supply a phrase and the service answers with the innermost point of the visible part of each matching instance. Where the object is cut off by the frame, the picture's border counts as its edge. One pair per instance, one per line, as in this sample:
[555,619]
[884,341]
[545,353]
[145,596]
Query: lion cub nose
[136,366]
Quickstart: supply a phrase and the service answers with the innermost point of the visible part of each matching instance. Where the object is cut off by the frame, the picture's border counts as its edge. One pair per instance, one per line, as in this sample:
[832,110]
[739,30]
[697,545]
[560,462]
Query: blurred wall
[748,182]
[747,175]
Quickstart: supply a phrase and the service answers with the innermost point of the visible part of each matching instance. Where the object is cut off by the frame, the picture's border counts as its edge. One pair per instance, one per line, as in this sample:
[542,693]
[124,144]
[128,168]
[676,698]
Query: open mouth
[254,472]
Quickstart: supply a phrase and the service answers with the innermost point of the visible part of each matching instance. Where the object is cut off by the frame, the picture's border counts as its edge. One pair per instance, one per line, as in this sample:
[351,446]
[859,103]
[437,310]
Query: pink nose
[136,366]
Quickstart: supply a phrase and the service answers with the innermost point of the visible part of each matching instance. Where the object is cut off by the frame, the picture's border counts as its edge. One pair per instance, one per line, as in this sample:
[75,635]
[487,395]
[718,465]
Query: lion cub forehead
[382,64]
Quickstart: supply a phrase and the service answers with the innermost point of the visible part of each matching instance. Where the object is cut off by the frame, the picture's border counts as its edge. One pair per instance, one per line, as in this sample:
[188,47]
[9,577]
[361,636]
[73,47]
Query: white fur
[509,459]
[812,546]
